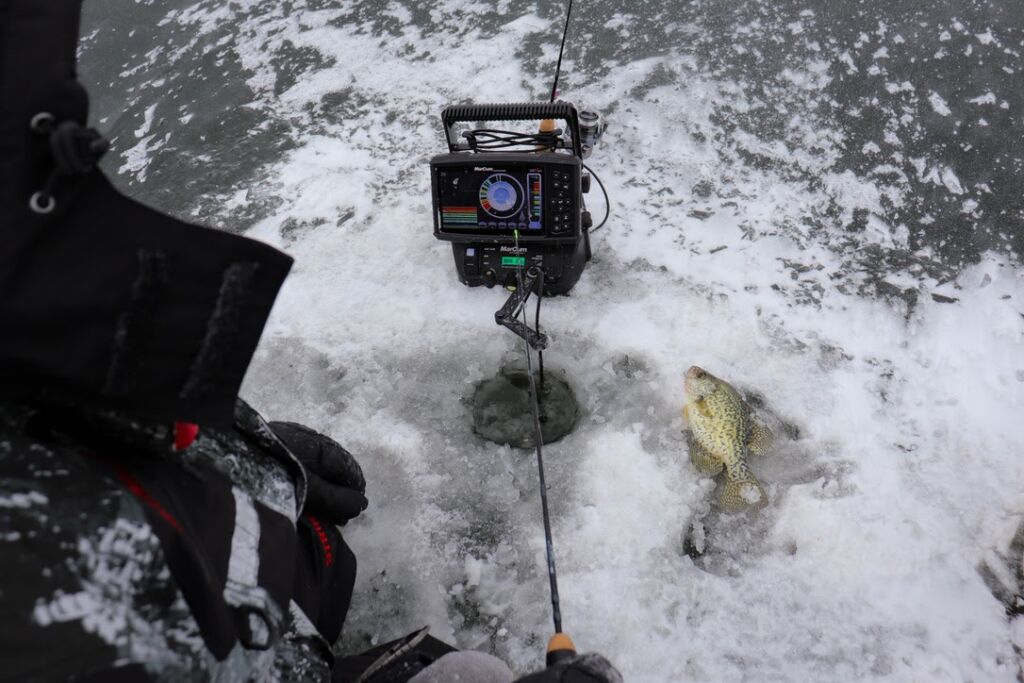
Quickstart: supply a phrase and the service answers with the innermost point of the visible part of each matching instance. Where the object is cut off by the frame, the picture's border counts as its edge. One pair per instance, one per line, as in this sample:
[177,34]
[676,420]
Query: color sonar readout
[534,182]
[491,200]
[459,215]
[513,260]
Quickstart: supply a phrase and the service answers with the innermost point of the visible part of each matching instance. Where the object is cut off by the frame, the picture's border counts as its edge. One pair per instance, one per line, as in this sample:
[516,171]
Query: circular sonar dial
[501,195]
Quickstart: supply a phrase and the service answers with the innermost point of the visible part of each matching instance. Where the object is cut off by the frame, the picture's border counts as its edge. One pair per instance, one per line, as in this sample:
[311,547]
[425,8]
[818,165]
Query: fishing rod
[511,205]
[560,645]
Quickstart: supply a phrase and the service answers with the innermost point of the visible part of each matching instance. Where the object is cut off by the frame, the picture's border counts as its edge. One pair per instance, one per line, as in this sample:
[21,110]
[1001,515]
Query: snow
[147,122]
[902,473]
[750,494]
[938,104]
[986,37]
[116,560]
[23,500]
[951,182]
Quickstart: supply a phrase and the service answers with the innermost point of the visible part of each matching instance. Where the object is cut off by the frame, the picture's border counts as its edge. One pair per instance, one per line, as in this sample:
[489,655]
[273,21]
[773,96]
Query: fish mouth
[693,376]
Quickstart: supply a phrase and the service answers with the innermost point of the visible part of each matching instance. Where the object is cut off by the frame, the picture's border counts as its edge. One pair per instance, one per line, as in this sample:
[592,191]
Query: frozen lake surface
[819,202]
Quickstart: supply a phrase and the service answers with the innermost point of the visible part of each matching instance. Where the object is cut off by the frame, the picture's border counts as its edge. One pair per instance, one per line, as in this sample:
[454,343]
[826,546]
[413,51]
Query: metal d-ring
[42,203]
[42,122]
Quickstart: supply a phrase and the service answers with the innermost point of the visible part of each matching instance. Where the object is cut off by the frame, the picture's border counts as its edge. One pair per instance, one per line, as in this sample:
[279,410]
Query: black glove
[335,484]
[586,668]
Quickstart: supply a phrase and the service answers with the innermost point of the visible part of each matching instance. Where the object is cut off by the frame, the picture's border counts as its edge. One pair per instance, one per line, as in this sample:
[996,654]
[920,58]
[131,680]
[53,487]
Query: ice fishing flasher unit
[509,201]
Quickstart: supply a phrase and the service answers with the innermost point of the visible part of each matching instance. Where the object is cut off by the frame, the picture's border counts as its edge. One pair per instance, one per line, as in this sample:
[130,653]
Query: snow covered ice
[790,209]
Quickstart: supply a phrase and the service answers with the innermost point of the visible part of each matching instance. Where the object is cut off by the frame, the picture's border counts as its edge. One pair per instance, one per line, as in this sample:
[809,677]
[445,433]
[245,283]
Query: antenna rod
[558,69]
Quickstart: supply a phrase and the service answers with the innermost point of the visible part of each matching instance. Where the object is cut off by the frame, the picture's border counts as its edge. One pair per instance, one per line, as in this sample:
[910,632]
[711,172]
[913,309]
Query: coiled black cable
[490,140]
[607,203]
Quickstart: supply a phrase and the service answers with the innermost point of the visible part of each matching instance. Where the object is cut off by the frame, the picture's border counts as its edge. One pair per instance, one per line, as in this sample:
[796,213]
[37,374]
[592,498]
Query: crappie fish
[722,435]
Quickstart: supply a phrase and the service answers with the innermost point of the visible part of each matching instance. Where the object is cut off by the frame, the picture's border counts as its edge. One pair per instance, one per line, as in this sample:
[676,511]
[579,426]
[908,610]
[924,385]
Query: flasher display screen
[485,199]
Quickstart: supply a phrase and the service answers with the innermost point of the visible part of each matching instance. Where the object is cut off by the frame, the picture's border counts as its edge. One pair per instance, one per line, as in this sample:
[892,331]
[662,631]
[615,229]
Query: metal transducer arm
[508,315]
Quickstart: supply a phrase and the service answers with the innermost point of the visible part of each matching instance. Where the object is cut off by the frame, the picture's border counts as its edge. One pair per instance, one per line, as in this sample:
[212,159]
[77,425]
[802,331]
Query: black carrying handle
[522,111]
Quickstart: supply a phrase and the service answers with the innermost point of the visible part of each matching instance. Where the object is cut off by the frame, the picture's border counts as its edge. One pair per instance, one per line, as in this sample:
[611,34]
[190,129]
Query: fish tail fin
[742,489]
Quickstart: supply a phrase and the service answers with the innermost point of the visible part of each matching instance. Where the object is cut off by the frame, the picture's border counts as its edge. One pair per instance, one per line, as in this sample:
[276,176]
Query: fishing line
[556,611]
[538,435]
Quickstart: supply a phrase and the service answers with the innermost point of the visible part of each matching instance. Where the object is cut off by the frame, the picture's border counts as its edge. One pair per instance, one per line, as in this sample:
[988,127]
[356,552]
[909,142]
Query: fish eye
[700,374]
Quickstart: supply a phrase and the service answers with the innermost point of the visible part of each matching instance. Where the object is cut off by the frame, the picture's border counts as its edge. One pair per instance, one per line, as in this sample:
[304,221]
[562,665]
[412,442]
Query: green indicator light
[513,260]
